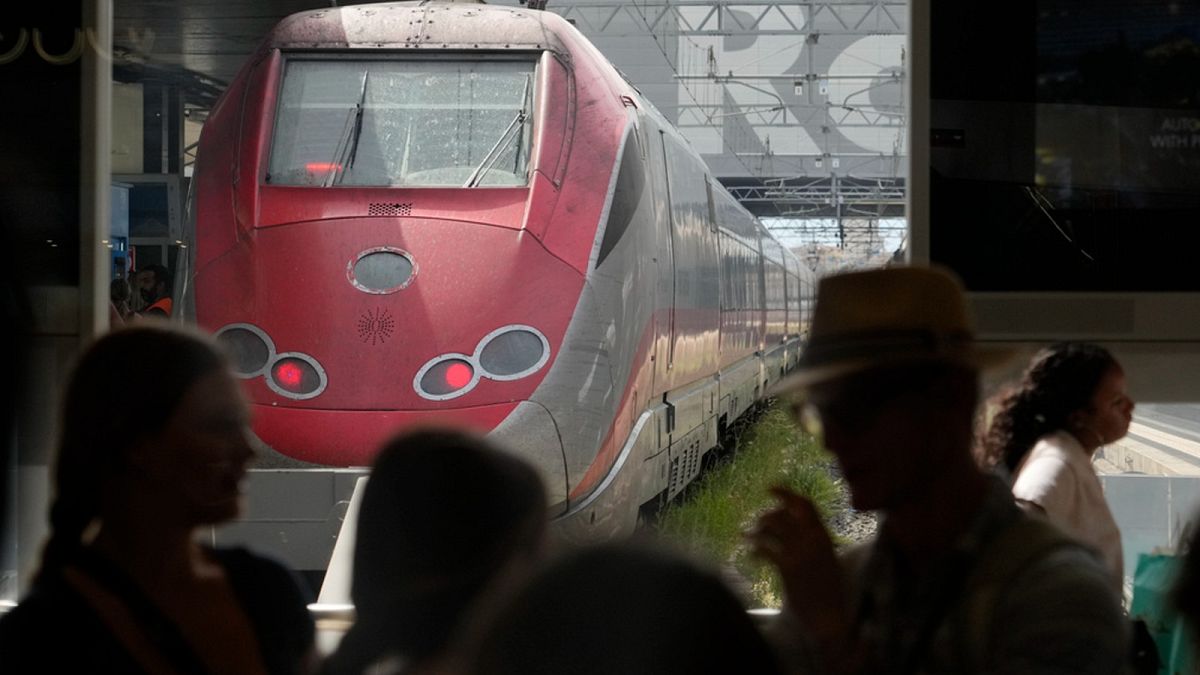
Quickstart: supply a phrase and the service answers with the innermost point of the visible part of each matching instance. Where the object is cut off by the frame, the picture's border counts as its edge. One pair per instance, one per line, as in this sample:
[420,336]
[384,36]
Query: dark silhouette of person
[622,608]
[1070,401]
[154,445]
[119,310]
[445,518]
[154,285]
[1185,593]
[958,579]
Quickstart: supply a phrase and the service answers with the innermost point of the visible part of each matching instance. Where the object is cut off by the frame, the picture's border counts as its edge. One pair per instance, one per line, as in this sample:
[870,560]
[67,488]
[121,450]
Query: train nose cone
[530,432]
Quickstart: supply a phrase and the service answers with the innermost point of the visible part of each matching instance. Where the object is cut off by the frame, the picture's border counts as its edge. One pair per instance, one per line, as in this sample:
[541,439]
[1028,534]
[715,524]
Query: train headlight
[512,352]
[249,348]
[297,376]
[446,377]
[508,353]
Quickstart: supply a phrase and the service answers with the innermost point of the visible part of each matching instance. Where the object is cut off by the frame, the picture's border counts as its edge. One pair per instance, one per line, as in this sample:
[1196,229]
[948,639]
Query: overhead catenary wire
[694,62]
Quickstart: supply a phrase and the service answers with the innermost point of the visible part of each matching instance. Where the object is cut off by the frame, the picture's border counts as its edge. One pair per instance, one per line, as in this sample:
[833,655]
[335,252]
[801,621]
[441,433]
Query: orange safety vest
[163,304]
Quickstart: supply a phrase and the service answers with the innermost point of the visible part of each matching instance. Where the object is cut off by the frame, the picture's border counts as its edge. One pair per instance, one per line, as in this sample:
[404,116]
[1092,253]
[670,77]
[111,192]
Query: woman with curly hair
[1070,401]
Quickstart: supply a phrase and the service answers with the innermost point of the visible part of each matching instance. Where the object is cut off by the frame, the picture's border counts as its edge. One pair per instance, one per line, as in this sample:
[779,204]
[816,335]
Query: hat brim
[981,358]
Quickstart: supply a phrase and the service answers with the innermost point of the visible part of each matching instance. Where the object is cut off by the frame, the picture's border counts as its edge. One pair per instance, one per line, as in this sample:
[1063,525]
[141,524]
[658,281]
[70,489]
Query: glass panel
[382,271]
[1066,145]
[246,350]
[148,254]
[403,123]
[511,353]
[149,213]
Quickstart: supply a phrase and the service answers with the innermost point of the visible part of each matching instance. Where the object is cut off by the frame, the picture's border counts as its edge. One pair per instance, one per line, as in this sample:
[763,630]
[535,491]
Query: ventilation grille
[685,466]
[389,209]
[376,326]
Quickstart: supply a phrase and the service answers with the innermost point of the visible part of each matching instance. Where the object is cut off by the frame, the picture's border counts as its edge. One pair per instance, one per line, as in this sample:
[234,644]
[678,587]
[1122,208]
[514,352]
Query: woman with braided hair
[1070,401]
[154,446]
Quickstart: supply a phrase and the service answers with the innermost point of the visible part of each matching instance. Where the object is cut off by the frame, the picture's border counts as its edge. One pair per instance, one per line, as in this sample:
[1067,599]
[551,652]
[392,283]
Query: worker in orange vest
[154,283]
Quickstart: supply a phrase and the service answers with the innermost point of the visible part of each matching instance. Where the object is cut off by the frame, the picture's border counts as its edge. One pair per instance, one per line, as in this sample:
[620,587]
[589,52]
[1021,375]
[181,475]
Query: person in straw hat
[958,579]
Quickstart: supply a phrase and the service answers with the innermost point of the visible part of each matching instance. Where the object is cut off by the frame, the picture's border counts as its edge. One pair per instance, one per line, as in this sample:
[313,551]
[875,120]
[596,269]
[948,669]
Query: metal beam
[750,17]
[838,197]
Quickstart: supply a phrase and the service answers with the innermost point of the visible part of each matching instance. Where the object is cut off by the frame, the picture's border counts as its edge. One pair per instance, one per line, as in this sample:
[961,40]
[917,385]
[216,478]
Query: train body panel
[741,284]
[695,348]
[605,373]
[775,285]
[447,305]
[356,434]
[353,211]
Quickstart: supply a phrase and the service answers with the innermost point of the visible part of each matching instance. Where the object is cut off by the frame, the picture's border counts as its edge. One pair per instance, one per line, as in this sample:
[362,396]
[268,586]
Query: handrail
[339,617]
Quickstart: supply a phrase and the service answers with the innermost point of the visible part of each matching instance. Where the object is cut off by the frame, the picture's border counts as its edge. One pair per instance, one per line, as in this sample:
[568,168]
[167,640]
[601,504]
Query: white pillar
[95,178]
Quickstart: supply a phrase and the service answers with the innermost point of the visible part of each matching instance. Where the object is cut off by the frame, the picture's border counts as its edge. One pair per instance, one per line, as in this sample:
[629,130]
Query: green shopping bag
[1152,585]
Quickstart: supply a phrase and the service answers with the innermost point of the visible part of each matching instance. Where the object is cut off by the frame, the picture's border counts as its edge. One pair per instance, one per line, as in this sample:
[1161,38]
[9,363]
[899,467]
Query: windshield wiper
[492,155]
[347,147]
[358,119]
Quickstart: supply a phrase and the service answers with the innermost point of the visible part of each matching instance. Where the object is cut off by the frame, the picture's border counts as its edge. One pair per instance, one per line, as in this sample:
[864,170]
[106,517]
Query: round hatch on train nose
[381,270]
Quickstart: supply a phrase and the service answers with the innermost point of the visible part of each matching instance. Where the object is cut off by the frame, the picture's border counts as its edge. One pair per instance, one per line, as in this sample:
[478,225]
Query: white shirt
[1058,476]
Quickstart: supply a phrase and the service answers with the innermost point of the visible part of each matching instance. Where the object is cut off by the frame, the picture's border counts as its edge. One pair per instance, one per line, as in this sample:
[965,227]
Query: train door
[694,251]
[788,297]
[761,305]
[715,229]
[669,270]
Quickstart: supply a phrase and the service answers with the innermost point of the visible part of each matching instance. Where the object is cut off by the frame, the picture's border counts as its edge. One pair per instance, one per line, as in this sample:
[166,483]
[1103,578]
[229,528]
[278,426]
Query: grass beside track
[711,516]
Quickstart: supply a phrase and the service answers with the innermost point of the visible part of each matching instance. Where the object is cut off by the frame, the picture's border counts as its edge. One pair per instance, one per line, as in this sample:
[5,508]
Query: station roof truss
[823,197]
[791,136]
[746,17]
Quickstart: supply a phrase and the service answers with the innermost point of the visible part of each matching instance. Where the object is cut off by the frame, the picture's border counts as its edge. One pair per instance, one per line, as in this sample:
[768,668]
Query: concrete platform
[1151,450]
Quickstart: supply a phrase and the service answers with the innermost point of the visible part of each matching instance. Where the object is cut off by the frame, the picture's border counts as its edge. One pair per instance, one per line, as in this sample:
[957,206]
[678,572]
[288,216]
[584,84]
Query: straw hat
[885,317]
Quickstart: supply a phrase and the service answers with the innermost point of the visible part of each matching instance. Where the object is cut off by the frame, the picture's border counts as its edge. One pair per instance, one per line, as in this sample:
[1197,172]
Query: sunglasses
[856,403]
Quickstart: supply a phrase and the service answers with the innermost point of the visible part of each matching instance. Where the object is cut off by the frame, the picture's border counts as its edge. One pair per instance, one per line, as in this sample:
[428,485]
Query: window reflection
[403,122]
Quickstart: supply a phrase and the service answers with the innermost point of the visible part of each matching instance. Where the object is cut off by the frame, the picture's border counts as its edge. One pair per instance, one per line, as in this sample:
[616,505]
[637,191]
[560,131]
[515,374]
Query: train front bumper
[350,438]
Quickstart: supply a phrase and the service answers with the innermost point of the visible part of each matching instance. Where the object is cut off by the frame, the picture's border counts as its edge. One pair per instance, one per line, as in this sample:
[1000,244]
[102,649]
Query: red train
[462,213]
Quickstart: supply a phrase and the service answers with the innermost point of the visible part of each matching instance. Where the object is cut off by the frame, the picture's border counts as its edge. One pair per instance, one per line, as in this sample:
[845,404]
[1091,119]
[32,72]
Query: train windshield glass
[403,122]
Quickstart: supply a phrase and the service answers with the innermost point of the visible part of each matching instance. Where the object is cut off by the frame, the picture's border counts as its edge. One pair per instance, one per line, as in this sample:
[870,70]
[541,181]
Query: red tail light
[289,375]
[445,379]
[458,375]
[297,376]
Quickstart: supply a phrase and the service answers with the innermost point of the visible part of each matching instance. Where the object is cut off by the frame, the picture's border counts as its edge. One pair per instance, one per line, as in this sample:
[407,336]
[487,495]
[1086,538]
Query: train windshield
[403,122]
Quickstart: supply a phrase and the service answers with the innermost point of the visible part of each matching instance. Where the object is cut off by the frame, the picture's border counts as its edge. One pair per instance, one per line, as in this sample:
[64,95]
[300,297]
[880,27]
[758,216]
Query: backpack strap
[150,636]
[116,616]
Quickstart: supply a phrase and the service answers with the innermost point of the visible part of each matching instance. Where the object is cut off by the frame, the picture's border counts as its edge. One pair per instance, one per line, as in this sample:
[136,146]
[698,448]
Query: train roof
[420,25]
